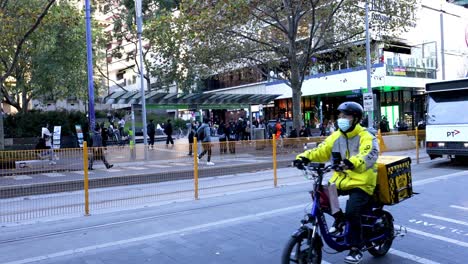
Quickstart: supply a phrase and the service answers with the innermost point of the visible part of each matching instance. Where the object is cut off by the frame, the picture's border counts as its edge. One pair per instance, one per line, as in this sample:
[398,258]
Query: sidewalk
[146,172]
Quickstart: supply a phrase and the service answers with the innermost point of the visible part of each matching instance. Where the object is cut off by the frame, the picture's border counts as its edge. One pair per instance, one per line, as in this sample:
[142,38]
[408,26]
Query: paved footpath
[162,166]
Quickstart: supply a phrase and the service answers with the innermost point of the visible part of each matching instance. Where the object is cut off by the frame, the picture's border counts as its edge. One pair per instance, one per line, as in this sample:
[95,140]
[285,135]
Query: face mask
[344,124]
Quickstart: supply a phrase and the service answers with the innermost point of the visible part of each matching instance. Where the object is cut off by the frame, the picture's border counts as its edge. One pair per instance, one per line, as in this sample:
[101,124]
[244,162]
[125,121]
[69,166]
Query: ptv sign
[453,133]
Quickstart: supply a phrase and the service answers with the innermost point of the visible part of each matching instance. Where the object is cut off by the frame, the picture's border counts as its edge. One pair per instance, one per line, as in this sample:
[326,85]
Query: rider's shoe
[336,228]
[354,257]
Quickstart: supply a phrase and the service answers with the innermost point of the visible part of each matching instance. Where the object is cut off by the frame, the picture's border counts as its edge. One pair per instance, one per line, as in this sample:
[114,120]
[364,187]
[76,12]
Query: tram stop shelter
[192,101]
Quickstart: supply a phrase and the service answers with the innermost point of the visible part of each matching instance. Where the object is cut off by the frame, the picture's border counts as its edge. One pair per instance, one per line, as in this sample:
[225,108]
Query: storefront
[395,103]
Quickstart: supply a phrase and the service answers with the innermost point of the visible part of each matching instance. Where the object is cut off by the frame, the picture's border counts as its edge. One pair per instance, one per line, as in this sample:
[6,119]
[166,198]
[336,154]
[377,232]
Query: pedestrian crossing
[116,169]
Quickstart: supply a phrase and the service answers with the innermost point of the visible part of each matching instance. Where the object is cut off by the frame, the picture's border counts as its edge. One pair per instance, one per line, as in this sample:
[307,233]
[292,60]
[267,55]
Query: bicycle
[305,245]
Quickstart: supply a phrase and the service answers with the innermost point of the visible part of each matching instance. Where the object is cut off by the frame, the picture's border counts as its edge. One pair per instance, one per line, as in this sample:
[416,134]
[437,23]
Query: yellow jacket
[358,146]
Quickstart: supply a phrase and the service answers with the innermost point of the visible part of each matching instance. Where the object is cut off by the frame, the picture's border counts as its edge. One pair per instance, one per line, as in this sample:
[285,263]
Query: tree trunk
[296,86]
[297,111]
[24,100]
[148,84]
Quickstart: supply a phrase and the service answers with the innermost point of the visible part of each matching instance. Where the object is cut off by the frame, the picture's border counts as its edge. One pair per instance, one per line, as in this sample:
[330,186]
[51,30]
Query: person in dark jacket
[231,136]
[222,138]
[192,130]
[98,152]
[151,132]
[168,131]
[303,132]
[104,135]
[293,133]
[204,130]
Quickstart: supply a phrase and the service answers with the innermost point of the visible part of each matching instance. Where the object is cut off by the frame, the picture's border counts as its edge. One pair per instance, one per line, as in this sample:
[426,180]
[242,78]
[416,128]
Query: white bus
[447,119]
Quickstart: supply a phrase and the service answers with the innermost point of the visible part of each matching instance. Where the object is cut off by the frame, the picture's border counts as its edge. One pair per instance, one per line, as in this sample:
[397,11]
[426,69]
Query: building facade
[436,48]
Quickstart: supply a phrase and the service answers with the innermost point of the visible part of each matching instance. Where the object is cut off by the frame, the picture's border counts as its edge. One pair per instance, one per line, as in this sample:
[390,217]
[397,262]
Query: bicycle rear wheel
[300,249]
[380,248]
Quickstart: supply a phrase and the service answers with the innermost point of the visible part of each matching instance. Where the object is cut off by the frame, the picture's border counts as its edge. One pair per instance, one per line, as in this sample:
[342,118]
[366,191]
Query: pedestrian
[151,132]
[278,129]
[192,130]
[293,132]
[303,132]
[104,134]
[222,138]
[203,134]
[121,125]
[168,131]
[384,125]
[98,151]
[231,136]
[47,136]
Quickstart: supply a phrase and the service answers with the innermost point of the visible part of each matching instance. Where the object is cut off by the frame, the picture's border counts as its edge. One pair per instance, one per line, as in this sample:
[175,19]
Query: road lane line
[446,219]
[459,207]
[411,257]
[441,238]
[201,227]
[438,178]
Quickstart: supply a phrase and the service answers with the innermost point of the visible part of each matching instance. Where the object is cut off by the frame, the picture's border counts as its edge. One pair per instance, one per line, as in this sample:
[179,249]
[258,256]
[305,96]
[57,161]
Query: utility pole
[442,42]
[370,113]
[139,20]
[89,50]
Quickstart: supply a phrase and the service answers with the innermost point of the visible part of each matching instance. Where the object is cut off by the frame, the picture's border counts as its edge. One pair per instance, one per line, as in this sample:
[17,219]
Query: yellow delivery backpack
[394,183]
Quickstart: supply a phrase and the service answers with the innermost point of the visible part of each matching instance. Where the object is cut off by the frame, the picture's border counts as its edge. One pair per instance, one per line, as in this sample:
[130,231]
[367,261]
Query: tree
[125,30]
[18,20]
[52,64]
[284,35]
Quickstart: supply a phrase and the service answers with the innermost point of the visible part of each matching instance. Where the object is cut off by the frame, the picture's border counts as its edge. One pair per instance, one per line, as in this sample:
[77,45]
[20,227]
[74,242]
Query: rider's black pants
[357,204]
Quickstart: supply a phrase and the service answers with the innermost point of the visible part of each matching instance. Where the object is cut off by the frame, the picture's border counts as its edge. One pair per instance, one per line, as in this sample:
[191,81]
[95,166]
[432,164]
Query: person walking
[47,136]
[168,131]
[222,138]
[98,152]
[121,125]
[203,134]
[192,130]
[151,132]
[231,136]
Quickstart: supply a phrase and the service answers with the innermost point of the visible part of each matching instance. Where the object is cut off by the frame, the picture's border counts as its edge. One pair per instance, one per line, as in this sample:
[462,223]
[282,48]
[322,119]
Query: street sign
[368,100]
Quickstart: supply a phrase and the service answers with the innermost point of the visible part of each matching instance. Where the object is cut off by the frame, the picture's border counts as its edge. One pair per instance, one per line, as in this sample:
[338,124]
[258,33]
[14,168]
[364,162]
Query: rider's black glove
[349,165]
[299,163]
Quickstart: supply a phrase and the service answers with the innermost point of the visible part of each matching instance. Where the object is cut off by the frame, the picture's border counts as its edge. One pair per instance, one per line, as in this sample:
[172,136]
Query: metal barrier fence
[32,187]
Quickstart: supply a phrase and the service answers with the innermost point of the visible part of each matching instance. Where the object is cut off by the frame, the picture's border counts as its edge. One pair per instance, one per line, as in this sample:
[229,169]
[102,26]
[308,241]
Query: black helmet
[351,108]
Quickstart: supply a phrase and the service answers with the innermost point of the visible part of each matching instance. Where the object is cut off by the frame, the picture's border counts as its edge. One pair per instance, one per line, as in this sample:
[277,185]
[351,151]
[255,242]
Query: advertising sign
[368,100]
[79,134]
[56,137]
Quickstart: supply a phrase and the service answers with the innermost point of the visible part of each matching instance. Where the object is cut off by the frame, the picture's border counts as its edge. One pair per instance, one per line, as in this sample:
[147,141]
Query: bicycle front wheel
[300,250]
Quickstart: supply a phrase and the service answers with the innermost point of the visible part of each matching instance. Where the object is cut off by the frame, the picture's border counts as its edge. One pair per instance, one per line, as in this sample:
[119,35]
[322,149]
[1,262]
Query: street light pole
[89,50]
[370,114]
[139,21]
[442,42]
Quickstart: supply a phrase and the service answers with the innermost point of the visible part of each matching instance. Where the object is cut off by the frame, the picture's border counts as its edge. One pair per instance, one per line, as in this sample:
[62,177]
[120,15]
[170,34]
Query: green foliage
[165,51]
[283,36]
[52,63]
[29,124]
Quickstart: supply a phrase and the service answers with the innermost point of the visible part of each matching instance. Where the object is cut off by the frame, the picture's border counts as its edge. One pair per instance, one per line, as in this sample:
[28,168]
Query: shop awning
[189,101]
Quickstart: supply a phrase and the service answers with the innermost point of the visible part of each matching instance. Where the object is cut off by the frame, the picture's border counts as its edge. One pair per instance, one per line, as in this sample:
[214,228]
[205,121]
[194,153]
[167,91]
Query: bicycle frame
[318,218]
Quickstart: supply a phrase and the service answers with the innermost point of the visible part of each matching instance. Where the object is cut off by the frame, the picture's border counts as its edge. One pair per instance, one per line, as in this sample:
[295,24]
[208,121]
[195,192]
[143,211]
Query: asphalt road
[247,227]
